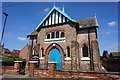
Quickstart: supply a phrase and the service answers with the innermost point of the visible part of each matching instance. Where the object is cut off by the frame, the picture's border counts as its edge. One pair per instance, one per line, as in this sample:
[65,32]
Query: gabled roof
[115,53]
[87,22]
[32,33]
[7,50]
[15,53]
[55,8]
[24,47]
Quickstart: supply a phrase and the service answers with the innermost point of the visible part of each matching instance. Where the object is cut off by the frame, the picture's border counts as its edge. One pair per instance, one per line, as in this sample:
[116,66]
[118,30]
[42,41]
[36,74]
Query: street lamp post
[3,27]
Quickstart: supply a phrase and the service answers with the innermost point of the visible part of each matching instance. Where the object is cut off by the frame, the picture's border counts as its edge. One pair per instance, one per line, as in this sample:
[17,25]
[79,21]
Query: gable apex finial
[63,9]
[54,4]
[95,14]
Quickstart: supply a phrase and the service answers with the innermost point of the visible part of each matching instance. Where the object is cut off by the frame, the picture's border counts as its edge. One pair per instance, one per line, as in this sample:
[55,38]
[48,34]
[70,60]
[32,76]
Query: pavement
[15,76]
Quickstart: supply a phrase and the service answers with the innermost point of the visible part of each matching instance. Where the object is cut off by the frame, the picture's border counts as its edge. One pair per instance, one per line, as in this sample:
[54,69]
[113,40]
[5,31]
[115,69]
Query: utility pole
[3,27]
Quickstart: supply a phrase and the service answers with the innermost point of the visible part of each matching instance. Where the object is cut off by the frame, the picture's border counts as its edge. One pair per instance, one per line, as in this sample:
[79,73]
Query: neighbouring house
[115,56]
[1,48]
[6,51]
[71,43]
[24,52]
[15,53]
[113,62]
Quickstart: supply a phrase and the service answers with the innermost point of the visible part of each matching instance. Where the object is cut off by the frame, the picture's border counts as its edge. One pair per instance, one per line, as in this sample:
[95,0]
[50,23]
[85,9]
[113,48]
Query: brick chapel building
[71,43]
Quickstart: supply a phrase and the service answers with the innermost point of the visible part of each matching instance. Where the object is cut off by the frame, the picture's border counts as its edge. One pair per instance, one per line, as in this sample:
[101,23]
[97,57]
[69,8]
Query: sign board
[35,58]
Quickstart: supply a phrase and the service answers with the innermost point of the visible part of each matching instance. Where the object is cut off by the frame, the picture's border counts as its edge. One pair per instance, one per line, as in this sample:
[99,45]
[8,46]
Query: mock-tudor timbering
[71,43]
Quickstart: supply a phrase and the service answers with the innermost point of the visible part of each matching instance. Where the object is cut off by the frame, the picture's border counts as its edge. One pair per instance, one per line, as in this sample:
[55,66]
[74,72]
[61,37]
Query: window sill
[85,58]
[68,59]
[42,58]
[55,40]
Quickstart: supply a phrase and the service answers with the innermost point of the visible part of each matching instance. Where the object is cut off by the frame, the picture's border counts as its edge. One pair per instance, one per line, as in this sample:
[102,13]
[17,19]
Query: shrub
[8,60]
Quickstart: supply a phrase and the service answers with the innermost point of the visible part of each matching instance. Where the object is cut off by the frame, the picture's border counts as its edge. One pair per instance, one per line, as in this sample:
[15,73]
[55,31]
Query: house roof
[55,8]
[115,53]
[15,53]
[24,46]
[7,50]
[87,22]
[32,33]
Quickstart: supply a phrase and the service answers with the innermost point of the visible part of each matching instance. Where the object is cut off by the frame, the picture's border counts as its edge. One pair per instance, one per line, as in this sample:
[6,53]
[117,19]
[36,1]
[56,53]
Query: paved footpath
[26,77]
[16,76]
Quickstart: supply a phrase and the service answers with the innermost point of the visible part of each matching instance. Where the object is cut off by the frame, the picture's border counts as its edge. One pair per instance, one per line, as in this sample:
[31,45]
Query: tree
[104,54]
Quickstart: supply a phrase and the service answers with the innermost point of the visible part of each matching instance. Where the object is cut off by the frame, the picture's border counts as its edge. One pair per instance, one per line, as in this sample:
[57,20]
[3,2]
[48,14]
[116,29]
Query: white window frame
[56,34]
[67,58]
[51,35]
[84,58]
[51,40]
[34,51]
[41,58]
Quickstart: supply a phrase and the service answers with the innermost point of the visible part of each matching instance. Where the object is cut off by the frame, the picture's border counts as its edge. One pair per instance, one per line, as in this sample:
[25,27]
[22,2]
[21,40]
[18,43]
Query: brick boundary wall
[11,69]
[51,72]
[31,68]
[8,69]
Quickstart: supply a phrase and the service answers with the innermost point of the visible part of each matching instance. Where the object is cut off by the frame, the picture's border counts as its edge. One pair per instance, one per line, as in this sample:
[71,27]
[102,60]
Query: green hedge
[8,60]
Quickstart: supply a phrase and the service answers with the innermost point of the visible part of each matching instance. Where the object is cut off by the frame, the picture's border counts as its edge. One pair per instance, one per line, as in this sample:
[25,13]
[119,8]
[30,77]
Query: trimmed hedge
[8,60]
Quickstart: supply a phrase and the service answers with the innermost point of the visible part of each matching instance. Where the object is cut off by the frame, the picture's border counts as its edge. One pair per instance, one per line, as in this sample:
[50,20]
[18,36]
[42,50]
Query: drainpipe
[91,58]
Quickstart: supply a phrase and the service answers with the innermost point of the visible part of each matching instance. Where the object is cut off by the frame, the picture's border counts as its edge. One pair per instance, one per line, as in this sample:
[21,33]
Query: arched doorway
[55,56]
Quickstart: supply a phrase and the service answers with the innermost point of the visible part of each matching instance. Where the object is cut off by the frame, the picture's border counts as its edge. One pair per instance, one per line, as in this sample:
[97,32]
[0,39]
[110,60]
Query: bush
[8,60]
[20,59]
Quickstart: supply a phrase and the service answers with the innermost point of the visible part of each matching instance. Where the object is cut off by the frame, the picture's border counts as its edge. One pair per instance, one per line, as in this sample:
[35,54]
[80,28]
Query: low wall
[52,72]
[41,73]
[79,74]
[12,69]
[44,73]
[8,69]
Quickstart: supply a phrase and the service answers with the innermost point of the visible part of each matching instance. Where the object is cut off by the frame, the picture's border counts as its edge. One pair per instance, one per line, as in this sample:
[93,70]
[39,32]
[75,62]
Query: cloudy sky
[24,17]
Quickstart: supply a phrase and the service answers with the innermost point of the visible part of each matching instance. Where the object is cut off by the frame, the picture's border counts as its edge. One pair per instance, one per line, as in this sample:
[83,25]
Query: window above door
[55,36]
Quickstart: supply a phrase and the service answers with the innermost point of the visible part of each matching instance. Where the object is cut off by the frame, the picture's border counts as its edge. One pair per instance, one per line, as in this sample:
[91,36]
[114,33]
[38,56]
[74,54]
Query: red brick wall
[24,52]
[31,69]
[54,29]
[8,69]
[51,72]
[43,73]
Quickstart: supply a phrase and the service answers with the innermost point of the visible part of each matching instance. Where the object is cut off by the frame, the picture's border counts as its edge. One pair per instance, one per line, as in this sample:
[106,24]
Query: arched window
[62,34]
[68,52]
[53,35]
[57,34]
[42,52]
[85,50]
[48,36]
